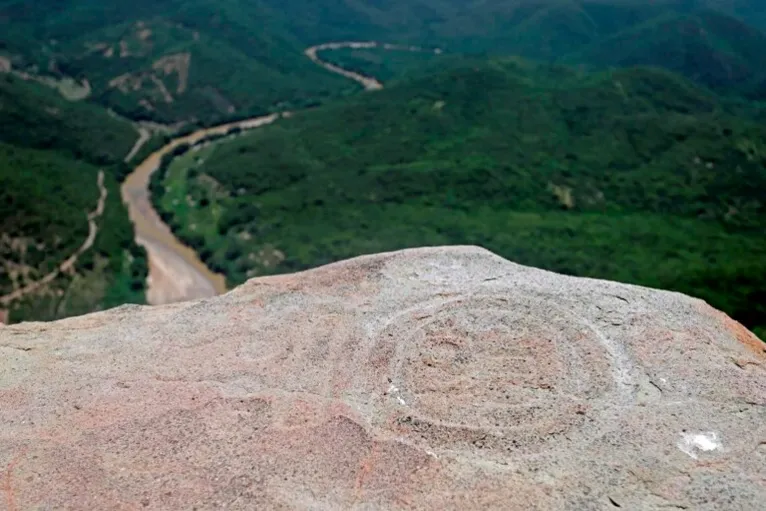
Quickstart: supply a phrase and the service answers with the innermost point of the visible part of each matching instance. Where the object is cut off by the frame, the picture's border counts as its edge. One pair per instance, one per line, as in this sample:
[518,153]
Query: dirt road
[175,271]
[69,263]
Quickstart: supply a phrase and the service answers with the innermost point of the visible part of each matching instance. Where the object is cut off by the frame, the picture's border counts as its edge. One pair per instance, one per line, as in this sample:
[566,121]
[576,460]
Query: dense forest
[51,151]
[634,175]
[206,61]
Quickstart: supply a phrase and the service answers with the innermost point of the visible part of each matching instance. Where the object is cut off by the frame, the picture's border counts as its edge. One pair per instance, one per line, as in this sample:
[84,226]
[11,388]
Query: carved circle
[494,372]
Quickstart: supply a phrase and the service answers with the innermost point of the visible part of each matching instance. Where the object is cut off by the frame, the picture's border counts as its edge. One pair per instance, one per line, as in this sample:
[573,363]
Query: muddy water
[176,273]
[368,82]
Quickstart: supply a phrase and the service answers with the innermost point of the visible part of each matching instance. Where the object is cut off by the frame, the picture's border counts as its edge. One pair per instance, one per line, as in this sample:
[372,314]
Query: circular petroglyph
[485,372]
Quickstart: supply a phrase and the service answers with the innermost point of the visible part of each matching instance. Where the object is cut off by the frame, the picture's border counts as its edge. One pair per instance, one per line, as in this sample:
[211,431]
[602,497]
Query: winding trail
[176,272]
[69,263]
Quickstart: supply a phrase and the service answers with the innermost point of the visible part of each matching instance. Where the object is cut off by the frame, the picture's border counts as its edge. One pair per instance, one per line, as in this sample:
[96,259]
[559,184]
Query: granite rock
[437,378]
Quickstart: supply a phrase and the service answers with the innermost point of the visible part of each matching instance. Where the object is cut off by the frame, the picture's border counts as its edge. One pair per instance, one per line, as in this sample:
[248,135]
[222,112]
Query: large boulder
[443,378]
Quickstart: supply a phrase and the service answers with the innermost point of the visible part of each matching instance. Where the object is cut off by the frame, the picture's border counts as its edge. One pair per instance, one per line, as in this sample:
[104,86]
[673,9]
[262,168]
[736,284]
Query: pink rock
[440,378]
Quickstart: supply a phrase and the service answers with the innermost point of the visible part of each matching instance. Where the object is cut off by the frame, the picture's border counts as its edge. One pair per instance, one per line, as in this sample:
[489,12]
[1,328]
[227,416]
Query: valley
[175,271]
[383,254]
[502,153]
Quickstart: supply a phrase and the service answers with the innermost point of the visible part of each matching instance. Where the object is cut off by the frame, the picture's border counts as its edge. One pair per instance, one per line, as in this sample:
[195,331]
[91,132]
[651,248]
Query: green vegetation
[181,60]
[51,151]
[711,48]
[170,73]
[705,45]
[33,115]
[192,196]
[633,175]
[630,174]
[168,61]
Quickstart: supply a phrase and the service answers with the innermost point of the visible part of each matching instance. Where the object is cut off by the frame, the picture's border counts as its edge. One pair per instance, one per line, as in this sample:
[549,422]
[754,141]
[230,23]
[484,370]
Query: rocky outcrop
[444,378]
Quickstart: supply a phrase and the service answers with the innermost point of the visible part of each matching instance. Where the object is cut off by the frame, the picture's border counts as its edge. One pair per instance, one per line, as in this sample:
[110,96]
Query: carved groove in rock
[478,373]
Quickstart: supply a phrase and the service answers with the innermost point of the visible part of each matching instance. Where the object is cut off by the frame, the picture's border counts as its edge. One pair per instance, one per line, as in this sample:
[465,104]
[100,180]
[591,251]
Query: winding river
[176,272]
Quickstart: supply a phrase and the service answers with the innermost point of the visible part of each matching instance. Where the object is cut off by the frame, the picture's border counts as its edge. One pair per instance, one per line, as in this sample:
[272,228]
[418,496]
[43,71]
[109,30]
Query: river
[176,272]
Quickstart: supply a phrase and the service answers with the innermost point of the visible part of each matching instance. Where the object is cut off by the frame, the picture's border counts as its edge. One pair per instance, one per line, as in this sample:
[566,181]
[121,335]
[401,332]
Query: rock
[440,378]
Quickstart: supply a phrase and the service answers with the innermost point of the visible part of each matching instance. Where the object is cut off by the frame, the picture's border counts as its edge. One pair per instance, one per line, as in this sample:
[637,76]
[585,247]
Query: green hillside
[36,116]
[181,60]
[633,175]
[51,151]
[713,49]
[177,60]
[172,72]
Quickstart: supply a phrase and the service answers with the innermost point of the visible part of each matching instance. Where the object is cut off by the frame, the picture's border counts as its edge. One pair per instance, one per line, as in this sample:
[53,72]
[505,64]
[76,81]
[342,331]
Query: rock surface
[444,378]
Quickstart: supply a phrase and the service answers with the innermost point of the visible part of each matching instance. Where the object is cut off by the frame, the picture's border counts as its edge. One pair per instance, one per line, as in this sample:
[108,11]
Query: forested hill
[634,175]
[51,152]
[709,47]
[171,60]
[168,60]
[36,116]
